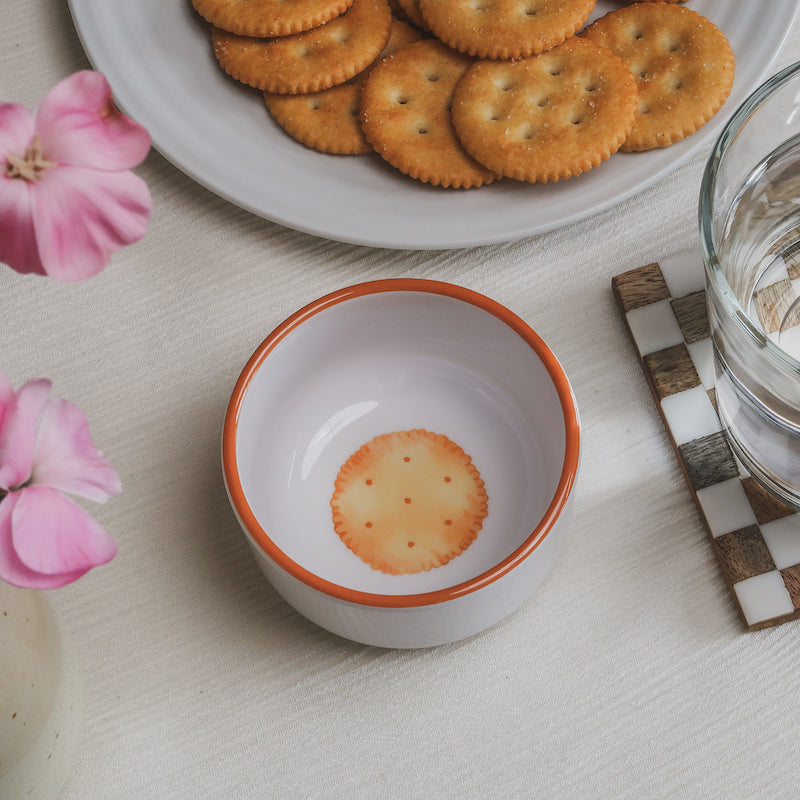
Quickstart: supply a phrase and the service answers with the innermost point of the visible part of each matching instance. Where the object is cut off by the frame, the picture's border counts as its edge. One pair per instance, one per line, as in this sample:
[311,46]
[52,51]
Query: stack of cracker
[460,93]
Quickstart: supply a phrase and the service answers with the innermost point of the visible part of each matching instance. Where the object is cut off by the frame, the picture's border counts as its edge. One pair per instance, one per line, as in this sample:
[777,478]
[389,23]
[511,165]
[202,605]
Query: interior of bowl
[389,357]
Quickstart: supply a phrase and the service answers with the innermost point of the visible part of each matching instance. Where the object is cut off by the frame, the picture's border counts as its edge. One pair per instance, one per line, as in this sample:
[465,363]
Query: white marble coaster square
[684,273]
[763,597]
[702,354]
[690,415]
[654,327]
[783,540]
[726,507]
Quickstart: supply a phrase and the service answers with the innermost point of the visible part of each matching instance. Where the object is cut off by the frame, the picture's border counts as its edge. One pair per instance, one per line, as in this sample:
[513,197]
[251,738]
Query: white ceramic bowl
[398,355]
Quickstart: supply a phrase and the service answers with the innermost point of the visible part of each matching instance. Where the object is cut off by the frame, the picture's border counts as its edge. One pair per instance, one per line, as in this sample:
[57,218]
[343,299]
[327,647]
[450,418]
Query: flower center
[30,167]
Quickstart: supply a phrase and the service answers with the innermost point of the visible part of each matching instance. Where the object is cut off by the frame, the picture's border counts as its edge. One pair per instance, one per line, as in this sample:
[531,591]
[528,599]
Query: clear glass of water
[750,235]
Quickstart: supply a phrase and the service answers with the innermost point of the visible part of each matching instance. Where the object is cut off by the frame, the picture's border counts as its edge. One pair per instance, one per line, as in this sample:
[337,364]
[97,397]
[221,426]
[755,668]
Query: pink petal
[54,536]
[18,434]
[6,396]
[18,246]
[64,457]
[16,130]
[12,570]
[79,125]
[82,216]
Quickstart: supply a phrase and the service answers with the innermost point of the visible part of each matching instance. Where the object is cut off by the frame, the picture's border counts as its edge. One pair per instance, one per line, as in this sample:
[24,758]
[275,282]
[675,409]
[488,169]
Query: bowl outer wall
[426,625]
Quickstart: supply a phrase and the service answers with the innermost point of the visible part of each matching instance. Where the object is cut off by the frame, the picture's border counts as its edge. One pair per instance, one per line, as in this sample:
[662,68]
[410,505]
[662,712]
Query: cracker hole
[367,524]
[555,71]
[422,131]
[543,101]
[531,12]
[447,479]
[448,522]
[590,87]
[577,120]
[406,458]
[433,77]
[401,100]
[406,500]
[411,544]
[637,34]
[314,105]
[368,481]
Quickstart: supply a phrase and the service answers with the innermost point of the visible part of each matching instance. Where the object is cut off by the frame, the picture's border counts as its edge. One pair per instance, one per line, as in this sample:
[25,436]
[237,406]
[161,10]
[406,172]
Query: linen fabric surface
[627,675]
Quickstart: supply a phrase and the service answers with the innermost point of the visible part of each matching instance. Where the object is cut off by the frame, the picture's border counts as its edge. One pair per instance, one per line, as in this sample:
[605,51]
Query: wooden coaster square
[708,461]
[640,287]
[743,554]
[672,370]
[766,507]
[692,316]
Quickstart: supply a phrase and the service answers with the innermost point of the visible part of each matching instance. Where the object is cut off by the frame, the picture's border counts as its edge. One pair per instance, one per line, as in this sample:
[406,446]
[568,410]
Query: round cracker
[310,61]
[264,18]
[408,501]
[548,117]
[504,29]
[405,115]
[411,10]
[683,65]
[327,121]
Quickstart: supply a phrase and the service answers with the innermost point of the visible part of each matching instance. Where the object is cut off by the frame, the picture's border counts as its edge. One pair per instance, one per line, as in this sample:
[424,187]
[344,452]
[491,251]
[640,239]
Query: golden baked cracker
[547,117]
[324,56]
[405,115]
[264,18]
[408,501]
[504,29]
[327,121]
[683,66]
[410,9]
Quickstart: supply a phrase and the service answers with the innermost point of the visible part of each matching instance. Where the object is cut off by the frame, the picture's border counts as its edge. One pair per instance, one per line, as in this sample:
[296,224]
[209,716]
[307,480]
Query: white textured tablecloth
[627,675]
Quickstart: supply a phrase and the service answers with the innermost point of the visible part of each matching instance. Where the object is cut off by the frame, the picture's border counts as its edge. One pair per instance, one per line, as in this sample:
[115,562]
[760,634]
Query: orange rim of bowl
[532,541]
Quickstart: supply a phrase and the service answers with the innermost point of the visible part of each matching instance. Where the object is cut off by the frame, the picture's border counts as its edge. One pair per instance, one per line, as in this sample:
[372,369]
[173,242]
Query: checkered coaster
[755,538]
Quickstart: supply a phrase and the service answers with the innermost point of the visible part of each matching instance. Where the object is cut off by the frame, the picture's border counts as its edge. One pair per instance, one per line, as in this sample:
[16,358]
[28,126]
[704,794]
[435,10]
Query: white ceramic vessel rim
[560,497]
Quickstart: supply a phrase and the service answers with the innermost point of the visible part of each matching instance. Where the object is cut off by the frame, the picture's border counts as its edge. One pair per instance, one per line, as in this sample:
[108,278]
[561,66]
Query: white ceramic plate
[157,57]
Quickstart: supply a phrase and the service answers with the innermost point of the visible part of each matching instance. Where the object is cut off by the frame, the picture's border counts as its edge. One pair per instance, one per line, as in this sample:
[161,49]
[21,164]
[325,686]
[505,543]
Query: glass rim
[714,274]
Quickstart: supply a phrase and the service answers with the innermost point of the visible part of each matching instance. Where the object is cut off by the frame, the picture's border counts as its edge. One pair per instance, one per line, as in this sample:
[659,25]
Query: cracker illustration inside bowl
[408,501]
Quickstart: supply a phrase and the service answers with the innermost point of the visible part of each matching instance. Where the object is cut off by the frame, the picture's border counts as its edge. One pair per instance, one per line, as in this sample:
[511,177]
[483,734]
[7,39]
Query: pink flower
[67,197]
[46,540]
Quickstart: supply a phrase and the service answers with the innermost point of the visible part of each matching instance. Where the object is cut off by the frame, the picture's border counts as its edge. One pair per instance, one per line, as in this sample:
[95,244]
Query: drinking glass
[750,237]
